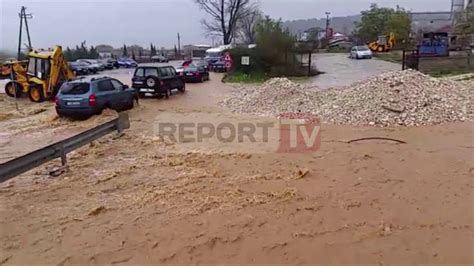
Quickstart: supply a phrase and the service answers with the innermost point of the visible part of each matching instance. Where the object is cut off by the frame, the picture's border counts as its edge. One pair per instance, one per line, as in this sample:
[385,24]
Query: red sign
[228,60]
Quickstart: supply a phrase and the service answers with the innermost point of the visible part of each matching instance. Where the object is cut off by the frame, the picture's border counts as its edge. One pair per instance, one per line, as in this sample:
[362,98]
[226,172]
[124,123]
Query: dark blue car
[127,63]
[86,97]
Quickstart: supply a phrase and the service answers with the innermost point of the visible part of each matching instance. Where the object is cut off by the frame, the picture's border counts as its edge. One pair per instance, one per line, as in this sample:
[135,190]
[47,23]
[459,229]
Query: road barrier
[60,149]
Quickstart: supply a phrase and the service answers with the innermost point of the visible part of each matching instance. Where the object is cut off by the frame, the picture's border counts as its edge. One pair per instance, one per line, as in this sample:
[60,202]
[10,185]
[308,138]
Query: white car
[361,52]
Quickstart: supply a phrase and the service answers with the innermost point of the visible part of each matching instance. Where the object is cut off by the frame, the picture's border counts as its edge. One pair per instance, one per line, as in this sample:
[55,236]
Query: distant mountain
[345,25]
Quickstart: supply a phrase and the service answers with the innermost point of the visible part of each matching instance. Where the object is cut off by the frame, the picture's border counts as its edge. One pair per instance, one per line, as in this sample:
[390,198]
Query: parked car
[102,65]
[159,59]
[360,52]
[219,66]
[79,68]
[195,73]
[157,81]
[202,63]
[180,70]
[127,63]
[88,96]
[113,62]
[93,66]
[108,63]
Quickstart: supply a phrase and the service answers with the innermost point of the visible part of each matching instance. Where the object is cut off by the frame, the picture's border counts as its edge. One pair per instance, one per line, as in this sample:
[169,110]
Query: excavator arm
[60,70]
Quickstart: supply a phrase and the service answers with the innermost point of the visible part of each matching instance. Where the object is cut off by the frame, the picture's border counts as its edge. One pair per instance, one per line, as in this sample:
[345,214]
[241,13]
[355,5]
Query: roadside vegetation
[380,21]
[275,55]
[81,52]
[393,56]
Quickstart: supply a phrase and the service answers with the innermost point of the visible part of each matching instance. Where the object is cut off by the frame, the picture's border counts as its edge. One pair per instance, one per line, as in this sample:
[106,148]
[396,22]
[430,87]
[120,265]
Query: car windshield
[362,48]
[75,88]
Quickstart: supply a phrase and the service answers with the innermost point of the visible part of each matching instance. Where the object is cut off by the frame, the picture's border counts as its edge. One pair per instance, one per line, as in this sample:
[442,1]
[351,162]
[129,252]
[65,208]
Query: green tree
[400,24]
[275,46]
[76,54]
[152,50]
[68,54]
[381,21]
[124,51]
[93,54]
[83,53]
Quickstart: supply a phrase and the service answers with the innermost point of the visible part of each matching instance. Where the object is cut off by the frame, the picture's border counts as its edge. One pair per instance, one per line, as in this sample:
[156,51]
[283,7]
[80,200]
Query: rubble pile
[275,96]
[405,98]
[400,98]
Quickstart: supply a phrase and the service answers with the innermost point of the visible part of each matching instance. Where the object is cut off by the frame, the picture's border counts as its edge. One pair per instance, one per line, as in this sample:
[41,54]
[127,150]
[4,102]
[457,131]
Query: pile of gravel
[401,98]
[275,96]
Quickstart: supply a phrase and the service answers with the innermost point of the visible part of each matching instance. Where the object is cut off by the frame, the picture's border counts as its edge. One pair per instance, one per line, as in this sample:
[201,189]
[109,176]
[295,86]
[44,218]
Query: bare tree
[247,26]
[225,16]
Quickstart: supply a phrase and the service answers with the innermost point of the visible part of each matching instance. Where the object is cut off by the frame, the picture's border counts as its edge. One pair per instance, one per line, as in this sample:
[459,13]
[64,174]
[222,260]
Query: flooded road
[140,199]
[339,70]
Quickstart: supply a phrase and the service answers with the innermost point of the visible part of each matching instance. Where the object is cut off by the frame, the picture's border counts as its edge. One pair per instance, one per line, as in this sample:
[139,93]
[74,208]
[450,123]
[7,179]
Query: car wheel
[131,105]
[167,93]
[202,79]
[13,90]
[35,92]
[182,89]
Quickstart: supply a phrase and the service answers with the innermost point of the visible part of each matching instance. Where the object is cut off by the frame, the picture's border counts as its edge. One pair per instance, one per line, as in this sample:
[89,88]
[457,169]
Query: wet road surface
[339,70]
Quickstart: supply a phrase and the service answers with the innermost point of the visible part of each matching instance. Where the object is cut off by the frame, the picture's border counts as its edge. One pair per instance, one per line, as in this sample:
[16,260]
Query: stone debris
[275,96]
[400,98]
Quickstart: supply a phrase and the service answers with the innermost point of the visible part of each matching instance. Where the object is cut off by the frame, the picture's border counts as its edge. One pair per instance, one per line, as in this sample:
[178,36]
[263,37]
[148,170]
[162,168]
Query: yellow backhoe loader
[43,76]
[385,43]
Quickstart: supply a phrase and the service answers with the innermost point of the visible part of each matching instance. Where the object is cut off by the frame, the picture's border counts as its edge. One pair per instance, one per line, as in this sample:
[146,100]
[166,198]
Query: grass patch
[240,77]
[447,73]
[393,57]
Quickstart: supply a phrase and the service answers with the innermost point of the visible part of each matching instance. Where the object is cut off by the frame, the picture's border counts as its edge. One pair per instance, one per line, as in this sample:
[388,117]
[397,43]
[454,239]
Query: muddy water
[342,71]
[140,200]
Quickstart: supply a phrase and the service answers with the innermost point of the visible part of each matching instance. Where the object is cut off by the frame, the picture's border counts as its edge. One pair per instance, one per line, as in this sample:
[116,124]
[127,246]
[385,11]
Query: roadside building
[195,50]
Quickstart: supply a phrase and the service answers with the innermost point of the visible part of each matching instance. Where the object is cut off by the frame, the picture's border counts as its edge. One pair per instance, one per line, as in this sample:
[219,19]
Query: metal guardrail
[60,149]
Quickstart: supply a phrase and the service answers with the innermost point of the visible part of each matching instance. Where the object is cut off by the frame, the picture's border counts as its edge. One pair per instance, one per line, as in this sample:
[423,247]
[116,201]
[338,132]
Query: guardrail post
[123,122]
[63,157]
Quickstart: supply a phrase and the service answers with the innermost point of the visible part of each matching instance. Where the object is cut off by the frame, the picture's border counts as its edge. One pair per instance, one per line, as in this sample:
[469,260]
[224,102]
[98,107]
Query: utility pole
[179,45]
[327,25]
[25,17]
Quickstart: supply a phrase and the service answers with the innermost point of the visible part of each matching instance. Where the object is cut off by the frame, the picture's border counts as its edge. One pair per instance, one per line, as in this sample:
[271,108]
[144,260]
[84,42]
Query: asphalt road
[339,70]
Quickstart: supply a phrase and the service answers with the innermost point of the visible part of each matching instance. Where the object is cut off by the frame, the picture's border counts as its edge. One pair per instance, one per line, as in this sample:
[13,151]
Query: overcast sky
[115,22]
